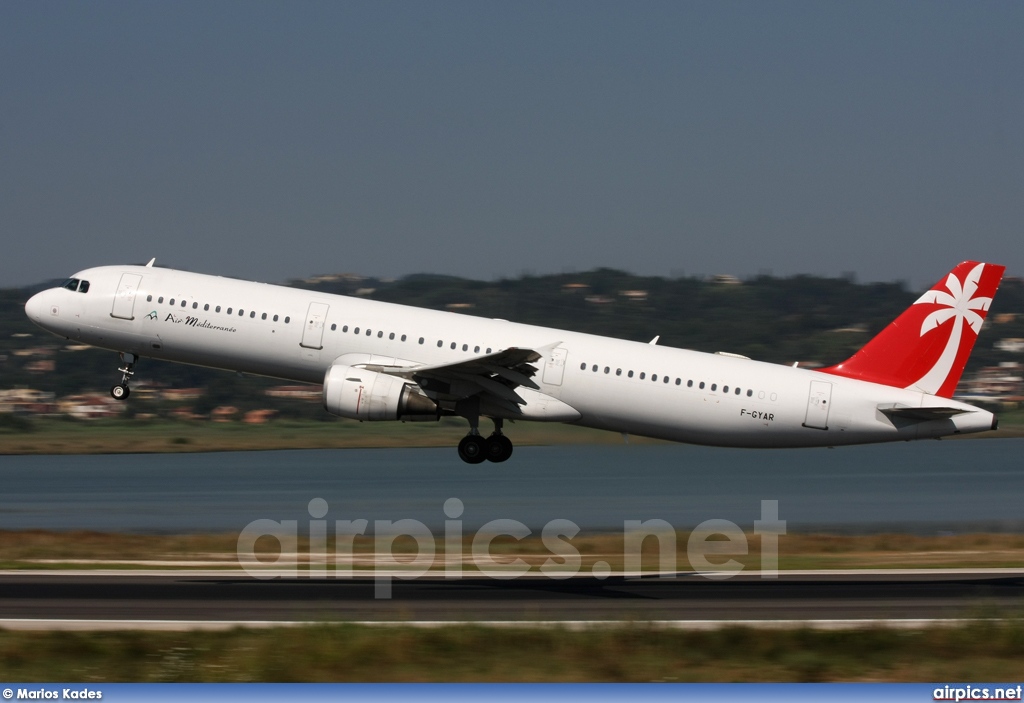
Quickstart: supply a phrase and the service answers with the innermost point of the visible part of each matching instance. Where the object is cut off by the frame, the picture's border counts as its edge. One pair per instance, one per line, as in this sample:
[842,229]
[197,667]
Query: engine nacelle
[367,395]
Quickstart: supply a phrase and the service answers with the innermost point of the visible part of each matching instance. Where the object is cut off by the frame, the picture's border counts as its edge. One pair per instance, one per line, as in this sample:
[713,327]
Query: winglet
[151,262]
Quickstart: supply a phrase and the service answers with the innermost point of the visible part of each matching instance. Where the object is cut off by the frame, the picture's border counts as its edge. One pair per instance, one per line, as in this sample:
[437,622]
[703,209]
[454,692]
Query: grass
[979,651]
[63,436]
[49,436]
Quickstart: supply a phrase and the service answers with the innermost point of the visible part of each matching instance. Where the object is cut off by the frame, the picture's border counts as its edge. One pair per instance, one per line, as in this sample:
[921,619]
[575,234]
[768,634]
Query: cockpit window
[83,287]
[70,284]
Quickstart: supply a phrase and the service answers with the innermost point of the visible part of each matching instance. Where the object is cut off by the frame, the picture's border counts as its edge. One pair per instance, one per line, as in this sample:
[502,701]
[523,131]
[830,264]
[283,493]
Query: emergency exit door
[819,401]
[124,298]
[313,332]
[554,369]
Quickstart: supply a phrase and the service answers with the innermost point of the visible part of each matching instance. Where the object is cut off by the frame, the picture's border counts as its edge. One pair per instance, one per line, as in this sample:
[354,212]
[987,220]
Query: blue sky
[276,140]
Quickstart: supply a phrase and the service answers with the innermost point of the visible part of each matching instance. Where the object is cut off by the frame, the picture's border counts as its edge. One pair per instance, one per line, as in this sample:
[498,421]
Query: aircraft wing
[495,376]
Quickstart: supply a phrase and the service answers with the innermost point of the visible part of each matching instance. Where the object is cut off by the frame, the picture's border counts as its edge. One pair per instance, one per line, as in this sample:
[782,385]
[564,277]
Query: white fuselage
[613,384]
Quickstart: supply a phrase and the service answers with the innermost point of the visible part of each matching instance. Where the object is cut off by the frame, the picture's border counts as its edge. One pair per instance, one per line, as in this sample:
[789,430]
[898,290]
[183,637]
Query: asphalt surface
[176,597]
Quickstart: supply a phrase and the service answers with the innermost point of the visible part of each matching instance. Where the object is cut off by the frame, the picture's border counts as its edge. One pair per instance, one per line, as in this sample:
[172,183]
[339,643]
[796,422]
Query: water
[925,487]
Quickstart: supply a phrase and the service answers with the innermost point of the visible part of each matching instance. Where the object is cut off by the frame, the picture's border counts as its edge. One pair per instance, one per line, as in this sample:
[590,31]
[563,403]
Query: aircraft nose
[35,307]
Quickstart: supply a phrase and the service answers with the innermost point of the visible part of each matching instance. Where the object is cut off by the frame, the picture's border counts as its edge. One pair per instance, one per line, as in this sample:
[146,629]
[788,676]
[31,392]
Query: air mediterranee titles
[190,321]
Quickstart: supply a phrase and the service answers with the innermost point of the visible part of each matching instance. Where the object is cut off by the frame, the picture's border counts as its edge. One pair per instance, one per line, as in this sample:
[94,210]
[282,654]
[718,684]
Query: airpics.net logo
[711,549]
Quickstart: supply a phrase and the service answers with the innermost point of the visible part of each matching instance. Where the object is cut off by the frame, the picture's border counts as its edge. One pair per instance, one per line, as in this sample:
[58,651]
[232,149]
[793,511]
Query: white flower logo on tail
[960,305]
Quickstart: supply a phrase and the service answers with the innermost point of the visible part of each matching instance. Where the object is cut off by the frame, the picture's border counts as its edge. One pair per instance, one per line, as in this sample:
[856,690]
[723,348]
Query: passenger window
[369,332]
[217,309]
[184,303]
[654,377]
[701,385]
[594,369]
[160,299]
[149,299]
[607,369]
[750,393]
[403,337]
[465,347]
[355,331]
[275,318]
[689,384]
[333,326]
[476,349]
[618,372]
[83,287]
[453,345]
[488,350]
[679,381]
[344,328]
[666,380]
[643,375]
[195,306]
[241,312]
[738,391]
[287,319]
[263,316]
[171,301]
[252,315]
[714,386]
[725,389]
[391,336]
[440,343]
[583,367]
[380,335]
[206,308]
[630,374]
[422,340]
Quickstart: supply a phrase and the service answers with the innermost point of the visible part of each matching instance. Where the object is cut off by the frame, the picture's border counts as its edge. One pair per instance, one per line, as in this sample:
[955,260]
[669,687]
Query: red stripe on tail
[926,348]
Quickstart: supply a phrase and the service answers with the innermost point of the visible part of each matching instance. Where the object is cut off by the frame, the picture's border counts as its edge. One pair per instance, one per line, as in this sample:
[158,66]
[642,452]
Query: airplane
[380,361]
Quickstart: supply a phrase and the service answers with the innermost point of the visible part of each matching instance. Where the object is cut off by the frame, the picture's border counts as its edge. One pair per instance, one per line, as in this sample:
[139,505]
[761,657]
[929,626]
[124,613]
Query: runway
[206,600]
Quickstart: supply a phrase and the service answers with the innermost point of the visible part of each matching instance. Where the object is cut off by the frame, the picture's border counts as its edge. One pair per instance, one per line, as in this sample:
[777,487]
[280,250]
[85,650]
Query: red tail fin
[927,347]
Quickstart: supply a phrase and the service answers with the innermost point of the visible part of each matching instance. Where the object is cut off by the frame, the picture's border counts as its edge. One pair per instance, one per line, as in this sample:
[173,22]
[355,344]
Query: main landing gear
[121,391]
[474,449]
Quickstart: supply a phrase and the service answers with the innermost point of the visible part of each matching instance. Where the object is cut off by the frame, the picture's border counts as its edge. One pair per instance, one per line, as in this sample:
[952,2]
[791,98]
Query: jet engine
[367,395]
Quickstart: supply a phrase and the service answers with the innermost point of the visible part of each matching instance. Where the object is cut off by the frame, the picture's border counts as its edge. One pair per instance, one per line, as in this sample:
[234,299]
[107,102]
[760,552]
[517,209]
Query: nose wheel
[121,391]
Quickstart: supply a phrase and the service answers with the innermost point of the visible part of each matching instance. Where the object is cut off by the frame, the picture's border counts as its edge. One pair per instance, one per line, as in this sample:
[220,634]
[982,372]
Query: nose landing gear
[121,391]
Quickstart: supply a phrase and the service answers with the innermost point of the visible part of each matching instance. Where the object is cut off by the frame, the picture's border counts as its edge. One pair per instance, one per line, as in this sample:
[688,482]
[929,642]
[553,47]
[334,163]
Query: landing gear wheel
[499,448]
[121,391]
[473,449]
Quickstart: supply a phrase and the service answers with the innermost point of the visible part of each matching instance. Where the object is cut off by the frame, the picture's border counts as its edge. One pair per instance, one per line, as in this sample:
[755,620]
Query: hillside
[803,318]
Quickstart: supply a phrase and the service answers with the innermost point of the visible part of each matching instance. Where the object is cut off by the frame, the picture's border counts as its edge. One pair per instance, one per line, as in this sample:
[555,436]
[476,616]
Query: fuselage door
[555,367]
[124,298]
[313,334]
[818,402]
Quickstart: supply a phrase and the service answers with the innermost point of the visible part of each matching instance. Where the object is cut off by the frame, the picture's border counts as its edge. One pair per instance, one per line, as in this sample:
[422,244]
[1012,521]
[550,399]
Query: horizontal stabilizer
[923,414]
